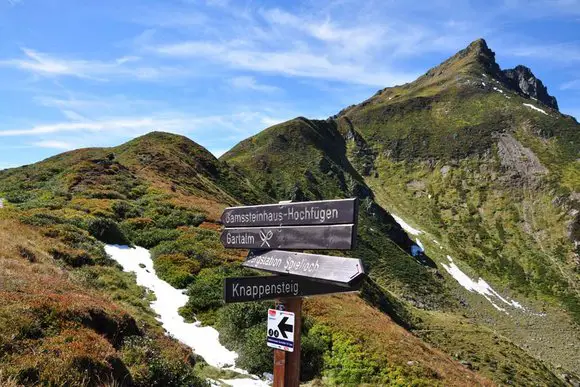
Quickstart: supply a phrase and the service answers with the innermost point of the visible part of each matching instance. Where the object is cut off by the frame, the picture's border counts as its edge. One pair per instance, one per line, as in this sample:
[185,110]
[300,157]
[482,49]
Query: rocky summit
[469,229]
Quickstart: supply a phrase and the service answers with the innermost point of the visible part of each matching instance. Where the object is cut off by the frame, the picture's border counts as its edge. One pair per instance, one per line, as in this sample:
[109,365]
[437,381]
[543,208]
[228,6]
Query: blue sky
[97,73]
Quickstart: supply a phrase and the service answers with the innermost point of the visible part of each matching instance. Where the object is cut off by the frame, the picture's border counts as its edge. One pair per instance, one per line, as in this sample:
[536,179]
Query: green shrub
[41,219]
[74,259]
[315,343]
[255,356]
[17,197]
[124,210]
[108,231]
[201,245]
[178,218]
[138,224]
[149,366]
[176,269]
[205,292]
[104,194]
[149,237]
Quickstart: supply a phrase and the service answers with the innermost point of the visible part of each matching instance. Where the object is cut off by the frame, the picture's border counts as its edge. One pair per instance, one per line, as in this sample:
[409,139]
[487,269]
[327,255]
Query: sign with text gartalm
[331,237]
[342,211]
[243,289]
[317,267]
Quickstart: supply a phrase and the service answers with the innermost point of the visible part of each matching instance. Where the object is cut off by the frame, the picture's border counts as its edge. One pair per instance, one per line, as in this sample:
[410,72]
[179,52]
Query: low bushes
[108,231]
[152,365]
[177,269]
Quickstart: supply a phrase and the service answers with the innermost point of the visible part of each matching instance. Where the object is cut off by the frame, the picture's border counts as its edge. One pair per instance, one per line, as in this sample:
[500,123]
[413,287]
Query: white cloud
[72,115]
[353,39]
[88,104]
[54,144]
[270,121]
[248,82]
[48,65]
[563,52]
[174,122]
[290,62]
[571,85]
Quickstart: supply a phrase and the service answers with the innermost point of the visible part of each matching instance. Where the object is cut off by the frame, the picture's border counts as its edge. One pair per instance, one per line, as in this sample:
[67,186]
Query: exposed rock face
[523,80]
[518,159]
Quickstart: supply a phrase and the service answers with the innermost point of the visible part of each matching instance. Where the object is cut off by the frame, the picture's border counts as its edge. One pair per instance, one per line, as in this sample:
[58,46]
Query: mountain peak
[476,58]
[479,46]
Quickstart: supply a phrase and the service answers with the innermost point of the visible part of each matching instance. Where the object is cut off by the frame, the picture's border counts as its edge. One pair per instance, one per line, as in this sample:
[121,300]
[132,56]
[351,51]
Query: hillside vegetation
[492,180]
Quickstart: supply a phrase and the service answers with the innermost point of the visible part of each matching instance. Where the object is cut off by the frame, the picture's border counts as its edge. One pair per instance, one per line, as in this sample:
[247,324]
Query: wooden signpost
[269,230]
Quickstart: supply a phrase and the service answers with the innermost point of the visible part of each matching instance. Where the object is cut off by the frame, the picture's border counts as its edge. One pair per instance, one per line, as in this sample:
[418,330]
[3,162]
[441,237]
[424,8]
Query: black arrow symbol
[283,327]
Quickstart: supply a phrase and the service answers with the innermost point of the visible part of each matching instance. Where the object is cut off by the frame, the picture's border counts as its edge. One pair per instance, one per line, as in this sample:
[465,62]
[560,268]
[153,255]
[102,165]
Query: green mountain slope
[487,169]
[493,173]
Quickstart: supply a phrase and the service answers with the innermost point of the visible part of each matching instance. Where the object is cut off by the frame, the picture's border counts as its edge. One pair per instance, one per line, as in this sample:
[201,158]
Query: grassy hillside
[71,299]
[163,192]
[65,324]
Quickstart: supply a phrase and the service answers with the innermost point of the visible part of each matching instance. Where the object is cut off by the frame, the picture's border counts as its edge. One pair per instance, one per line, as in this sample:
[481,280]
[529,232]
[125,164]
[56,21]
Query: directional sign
[242,289]
[280,334]
[320,267]
[336,237]
[341,211]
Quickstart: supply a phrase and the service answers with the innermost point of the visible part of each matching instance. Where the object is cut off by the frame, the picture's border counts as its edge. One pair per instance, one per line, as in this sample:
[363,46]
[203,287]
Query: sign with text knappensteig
[325,212]
[244,289]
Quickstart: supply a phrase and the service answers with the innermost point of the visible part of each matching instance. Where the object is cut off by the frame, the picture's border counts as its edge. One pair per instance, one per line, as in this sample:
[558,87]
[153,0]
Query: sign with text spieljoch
[243,289]
[338,270]
[330,237]
[341,211]
[280,331]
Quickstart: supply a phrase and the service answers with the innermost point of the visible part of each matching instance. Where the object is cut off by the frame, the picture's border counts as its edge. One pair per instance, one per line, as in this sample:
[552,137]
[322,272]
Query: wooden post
[279,367]
[287,364]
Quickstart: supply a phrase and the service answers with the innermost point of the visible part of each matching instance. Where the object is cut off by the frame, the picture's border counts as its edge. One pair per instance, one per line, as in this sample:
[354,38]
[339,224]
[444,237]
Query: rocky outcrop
[517,160]
[523,81]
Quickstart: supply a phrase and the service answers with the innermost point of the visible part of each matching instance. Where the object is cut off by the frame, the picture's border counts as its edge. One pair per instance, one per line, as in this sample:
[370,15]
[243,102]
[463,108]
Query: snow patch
[535,108]
[480,286]
[420,244]
[483,83]
[406,226]
[202,340]
[496,89]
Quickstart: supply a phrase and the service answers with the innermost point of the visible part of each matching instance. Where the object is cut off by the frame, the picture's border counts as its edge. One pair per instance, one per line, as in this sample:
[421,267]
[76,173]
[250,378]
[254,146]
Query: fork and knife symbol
[265,237]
